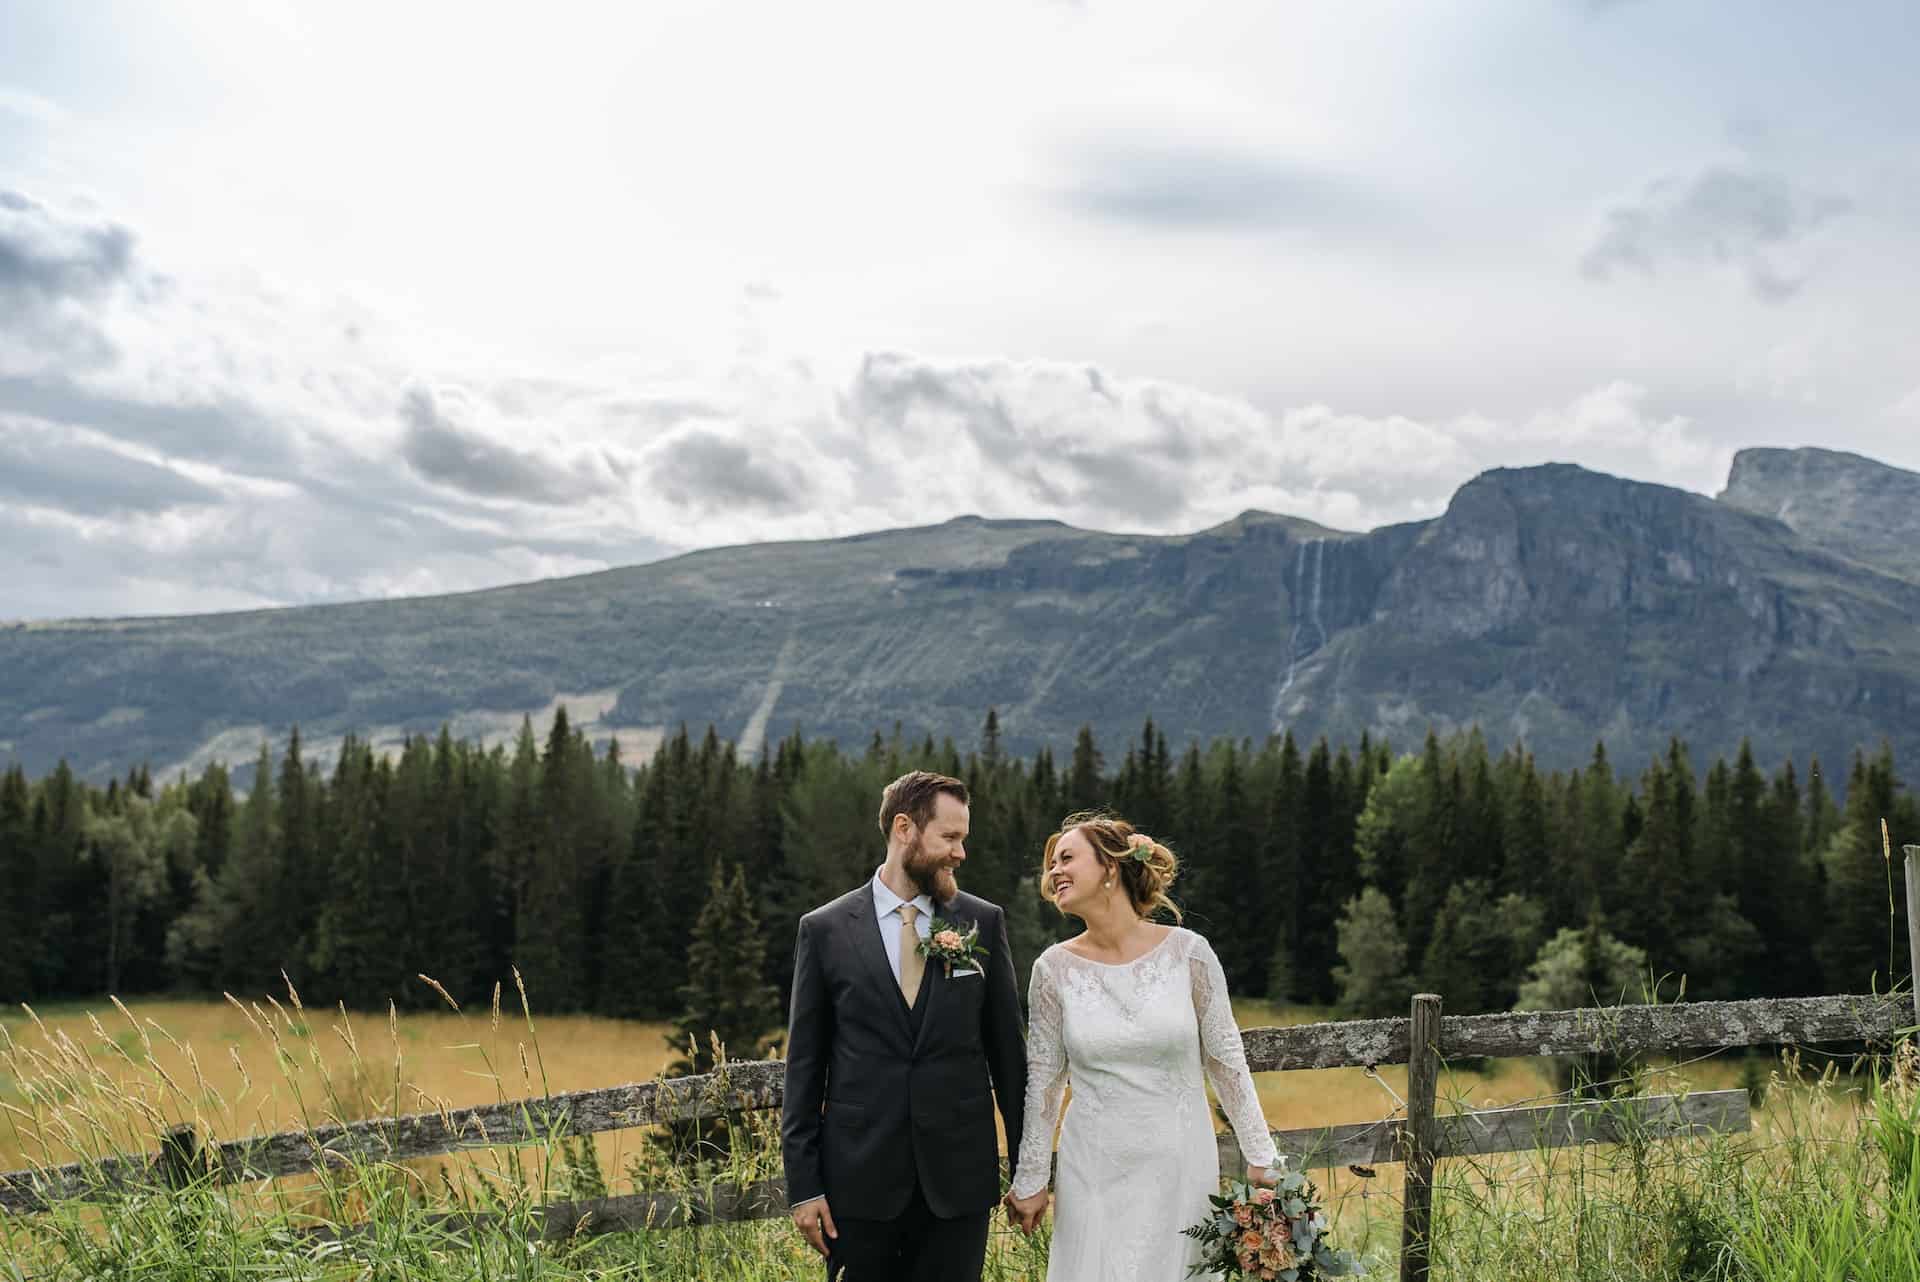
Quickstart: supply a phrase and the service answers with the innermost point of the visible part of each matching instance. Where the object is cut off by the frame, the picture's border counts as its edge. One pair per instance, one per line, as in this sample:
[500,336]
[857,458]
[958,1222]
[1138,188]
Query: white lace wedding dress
[1137,1157]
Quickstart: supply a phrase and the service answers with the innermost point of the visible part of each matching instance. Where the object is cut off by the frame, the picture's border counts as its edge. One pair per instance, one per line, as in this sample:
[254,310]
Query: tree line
[1343,877]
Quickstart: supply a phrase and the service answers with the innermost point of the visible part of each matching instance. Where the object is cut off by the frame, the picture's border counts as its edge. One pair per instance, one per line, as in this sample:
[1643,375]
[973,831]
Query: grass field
[96,1077]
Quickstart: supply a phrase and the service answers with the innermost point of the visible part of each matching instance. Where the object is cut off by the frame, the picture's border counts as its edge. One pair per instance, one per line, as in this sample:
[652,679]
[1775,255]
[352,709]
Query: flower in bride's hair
[1140,847]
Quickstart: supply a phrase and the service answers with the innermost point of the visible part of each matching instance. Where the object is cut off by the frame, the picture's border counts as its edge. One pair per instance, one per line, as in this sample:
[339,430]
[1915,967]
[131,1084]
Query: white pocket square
[966,974]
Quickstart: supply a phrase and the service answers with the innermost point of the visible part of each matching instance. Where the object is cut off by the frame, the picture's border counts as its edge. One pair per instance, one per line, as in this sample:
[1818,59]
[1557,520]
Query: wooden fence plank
[1419,1137]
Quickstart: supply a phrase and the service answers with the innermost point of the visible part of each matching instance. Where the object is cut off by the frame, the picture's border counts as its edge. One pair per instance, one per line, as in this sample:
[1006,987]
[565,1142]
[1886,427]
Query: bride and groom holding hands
[905,1026]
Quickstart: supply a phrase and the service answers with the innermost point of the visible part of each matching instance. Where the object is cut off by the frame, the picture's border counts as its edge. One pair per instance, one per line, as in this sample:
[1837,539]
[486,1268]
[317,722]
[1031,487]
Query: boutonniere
[947,942]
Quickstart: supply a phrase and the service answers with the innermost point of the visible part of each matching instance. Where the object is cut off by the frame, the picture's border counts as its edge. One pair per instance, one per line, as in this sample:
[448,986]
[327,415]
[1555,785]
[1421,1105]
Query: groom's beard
[931,875]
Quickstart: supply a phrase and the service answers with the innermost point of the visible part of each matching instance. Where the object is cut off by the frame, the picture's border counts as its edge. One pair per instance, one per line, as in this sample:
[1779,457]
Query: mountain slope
[1551,604]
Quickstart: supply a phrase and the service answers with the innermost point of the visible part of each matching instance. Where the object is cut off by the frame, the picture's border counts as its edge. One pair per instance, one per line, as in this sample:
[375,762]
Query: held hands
[1026,1213]
[815,1223]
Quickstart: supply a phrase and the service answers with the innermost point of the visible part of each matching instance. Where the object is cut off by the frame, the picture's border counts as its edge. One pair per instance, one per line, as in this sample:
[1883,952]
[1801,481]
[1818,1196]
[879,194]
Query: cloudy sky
[322,301]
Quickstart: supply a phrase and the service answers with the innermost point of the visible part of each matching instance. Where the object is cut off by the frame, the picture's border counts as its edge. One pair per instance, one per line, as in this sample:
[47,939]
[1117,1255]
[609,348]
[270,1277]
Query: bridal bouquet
[1269,1233]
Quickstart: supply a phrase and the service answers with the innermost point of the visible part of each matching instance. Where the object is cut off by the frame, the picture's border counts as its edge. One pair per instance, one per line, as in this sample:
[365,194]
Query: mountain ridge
[1553,605]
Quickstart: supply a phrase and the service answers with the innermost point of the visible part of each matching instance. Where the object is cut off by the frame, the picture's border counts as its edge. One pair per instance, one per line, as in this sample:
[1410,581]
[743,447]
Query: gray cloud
[1049,428]
[1751,221]
[50,468]
[44,257]
[1206,187]
[449,454]
[706,471]
[218,432]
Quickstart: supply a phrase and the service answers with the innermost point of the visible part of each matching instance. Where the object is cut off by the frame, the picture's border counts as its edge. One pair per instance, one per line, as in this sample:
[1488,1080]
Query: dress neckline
[1171,932]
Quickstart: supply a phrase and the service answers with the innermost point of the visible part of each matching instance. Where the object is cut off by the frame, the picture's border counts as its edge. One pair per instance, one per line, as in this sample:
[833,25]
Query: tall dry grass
[1826,1180]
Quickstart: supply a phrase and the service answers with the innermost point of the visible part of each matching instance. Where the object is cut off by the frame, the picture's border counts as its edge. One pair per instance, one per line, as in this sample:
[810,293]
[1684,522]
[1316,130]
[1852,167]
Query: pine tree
[725,995]
[250,892]
[1861,946]
[1442,858]
[1318,939]
[1245,953]
[1656,865]
[1756,860]
[1525,838]
[72,929]
[20,874]
[1823,819]
[1371,977]
[360,925]
[1790,880]
[550,936]
[1285,869]
[638,934]
[991,755]
[1194,820]
[1715,853]
[1086,789]
[1469,958]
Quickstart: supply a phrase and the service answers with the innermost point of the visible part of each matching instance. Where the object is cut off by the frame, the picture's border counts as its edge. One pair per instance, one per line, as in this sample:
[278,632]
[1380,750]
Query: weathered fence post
[1913,921]
[1420,1136]
[179,1157]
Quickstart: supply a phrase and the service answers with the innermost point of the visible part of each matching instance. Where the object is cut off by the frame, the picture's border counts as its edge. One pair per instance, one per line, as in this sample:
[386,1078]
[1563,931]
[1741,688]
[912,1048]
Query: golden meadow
[1818,1183]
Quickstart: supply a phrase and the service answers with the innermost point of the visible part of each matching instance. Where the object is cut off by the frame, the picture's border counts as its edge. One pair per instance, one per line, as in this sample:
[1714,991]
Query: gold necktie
[912,964]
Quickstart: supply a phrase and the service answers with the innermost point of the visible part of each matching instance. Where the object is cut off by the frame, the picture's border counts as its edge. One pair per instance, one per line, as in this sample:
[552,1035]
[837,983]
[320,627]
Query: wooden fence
[1421,1041]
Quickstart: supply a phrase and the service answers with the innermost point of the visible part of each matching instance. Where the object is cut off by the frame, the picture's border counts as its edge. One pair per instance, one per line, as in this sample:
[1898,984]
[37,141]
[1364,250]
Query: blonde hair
[1146,868]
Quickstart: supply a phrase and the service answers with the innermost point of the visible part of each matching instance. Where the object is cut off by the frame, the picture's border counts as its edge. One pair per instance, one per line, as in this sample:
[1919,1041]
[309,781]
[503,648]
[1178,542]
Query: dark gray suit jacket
[879,1097]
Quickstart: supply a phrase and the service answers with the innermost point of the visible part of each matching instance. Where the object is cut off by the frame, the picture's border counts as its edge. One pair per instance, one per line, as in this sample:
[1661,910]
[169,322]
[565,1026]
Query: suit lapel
[873,956]
[937,982]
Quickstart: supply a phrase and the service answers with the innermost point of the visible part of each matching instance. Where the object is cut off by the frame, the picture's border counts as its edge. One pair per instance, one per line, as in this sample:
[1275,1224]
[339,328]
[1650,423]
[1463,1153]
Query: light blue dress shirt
[886,911]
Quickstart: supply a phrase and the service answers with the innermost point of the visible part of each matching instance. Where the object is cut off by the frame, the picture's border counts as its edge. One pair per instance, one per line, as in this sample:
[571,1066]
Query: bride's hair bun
[1146,867]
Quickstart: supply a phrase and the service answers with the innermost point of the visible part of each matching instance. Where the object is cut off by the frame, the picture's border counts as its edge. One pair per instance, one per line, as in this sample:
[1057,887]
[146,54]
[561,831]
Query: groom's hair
[914,795]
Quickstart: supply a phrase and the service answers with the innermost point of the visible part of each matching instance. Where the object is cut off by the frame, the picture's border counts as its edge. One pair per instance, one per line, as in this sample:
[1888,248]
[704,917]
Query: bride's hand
[1263,1175]
[1026,1212]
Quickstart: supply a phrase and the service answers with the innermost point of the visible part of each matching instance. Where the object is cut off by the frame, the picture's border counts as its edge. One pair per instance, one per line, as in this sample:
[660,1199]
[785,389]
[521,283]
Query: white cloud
[613,282]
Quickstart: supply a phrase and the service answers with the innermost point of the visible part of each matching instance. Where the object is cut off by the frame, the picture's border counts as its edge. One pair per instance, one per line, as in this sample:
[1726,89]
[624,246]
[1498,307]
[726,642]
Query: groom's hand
[815,1222]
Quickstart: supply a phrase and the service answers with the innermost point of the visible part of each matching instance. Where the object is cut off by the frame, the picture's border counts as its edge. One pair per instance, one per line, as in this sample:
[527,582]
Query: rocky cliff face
[1852,505]
[1552,605]
[1559,606]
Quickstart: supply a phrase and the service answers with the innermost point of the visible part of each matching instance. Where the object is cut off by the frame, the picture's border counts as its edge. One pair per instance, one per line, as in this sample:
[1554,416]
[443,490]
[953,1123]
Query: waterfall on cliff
[1304,593]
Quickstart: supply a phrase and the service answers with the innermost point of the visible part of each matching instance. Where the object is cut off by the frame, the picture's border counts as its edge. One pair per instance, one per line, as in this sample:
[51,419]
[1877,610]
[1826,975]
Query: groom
[892,1162]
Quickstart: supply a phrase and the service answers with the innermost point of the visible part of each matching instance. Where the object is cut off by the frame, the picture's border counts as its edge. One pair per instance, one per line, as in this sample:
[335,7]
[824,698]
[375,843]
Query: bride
[1130,1013]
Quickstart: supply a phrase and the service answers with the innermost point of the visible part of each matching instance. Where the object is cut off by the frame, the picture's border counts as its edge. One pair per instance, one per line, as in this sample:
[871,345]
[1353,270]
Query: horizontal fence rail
[1511,1130]
[756,1085]
[1624,1030]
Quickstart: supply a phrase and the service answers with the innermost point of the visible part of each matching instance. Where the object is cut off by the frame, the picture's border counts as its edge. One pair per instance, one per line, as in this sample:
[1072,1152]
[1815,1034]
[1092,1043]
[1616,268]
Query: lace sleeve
[1046,1081]
[1224,1057]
